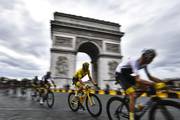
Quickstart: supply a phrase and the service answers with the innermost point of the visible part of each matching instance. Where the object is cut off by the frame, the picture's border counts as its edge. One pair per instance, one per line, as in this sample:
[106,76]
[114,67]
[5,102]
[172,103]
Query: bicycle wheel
[165,110]
[50,99]
[117,109]
[94,105]
[73,104]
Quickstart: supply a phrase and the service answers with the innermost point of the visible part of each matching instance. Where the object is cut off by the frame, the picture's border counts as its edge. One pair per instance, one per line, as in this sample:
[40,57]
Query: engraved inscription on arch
[63,41]
[62,67]
[110,47]
[112,66]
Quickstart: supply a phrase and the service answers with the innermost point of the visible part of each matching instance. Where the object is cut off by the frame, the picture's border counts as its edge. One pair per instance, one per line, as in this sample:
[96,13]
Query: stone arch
[99,39]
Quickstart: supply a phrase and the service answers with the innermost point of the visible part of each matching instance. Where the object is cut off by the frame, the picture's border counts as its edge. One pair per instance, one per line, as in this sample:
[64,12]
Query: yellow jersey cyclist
[77,79]
[128,77]
[46,83]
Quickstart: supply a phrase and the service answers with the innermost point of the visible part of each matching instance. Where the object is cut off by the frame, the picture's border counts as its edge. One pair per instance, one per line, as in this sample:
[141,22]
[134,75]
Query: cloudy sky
[25,31]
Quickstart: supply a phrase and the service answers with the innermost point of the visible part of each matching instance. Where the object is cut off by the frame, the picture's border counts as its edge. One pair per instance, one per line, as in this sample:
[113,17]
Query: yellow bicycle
[35,90]
[45,94]
[92,101]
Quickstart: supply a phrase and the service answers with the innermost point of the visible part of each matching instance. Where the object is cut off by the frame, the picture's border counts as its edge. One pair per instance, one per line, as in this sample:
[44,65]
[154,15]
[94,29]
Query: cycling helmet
[85,66]
[48,73]
[149,53]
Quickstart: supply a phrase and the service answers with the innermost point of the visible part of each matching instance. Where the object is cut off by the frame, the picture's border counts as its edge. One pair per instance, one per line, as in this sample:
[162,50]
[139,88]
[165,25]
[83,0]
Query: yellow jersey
[81,73]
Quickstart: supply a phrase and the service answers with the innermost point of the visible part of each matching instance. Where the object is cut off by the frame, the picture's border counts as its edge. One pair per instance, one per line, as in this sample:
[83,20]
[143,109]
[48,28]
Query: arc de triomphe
[71,34]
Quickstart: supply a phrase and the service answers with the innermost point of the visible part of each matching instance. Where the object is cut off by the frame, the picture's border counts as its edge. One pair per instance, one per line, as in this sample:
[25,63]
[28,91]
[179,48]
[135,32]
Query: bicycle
[45,94]
[155,105]
[93,103]
[35,92]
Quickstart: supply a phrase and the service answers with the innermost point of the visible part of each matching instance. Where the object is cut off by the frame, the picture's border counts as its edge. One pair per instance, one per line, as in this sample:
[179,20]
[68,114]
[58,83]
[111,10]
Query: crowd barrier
[171,94]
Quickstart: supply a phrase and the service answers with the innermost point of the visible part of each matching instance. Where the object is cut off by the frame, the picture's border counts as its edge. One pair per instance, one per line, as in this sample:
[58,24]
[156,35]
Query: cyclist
[35,85]
[46,84]
[128,77]
[79,75]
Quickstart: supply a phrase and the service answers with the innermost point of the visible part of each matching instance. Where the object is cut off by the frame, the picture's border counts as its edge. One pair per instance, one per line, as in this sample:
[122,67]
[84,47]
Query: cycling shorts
[78,84]
[125,80]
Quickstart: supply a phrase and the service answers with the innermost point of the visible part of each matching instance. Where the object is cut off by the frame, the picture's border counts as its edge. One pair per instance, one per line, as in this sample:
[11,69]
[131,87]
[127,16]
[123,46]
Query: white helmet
[149,53]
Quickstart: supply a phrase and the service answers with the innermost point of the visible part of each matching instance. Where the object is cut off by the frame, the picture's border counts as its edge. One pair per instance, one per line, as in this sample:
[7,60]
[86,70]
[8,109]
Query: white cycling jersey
[132,64]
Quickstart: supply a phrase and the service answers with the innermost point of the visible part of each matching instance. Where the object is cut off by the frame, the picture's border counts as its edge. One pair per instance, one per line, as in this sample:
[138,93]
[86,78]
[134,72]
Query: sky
[25,31]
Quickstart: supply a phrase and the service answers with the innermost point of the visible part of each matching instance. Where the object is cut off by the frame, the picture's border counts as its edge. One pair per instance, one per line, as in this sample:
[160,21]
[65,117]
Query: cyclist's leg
[42,92]
[41,88]
[80,91]
[127,82]
[131,102]
[47,87]
[79,88]
[132,95]
[76,88]
[36,89]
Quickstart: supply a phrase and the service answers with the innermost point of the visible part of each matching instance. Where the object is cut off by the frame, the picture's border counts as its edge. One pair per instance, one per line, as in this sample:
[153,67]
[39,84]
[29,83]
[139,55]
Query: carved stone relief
[79,40]
[63,41]
[86,33]
[112,66]
[62,66]
[112,47]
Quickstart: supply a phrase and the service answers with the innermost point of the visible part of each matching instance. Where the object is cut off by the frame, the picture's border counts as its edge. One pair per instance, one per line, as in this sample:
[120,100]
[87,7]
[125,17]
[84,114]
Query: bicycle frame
[86,92]
[145,109]
[121,106]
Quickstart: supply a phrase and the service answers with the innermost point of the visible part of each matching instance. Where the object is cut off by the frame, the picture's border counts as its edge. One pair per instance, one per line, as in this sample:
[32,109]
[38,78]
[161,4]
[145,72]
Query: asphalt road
[18,107]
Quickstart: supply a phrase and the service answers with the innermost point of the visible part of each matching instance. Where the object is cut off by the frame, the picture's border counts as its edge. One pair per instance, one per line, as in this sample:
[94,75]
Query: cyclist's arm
[152,78]
[155,79]
[52,81]
[81,81]
[142,81]
[93,81]
[90,78]
[136,75]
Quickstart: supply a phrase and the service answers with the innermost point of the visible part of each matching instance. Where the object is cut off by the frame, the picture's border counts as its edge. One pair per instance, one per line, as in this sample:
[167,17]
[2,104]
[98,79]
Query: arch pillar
[106,72]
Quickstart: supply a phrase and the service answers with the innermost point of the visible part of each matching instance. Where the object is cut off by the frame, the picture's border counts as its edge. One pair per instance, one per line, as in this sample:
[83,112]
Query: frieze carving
[112,66]
[110,47]
[87,33]
[63,41]
[79,40]
[62,66]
